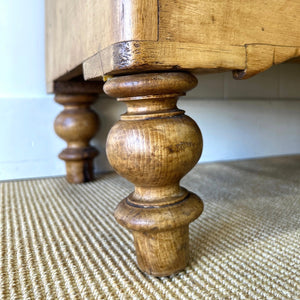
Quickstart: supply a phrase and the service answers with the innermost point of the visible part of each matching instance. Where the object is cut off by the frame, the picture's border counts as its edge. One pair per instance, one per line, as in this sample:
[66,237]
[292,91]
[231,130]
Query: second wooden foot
[77,124]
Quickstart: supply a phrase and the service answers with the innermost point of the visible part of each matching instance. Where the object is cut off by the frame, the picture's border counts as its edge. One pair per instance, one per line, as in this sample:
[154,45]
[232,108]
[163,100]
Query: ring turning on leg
[154,145]
[77,124]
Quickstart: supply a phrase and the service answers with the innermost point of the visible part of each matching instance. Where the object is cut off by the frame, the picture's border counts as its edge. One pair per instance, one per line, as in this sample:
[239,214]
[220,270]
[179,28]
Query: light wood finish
[263,57]
[76,30]
[109,37]
[77,124]
[148,56]
[230,22]
[247,37]
[154,145]
[245,61]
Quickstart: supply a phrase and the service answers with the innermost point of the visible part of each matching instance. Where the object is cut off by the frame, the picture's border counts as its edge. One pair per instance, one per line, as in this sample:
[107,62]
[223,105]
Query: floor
[60,241]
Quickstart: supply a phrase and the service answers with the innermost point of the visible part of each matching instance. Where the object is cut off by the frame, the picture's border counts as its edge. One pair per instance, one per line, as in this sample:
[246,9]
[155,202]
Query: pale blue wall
[253,118]
[22,48]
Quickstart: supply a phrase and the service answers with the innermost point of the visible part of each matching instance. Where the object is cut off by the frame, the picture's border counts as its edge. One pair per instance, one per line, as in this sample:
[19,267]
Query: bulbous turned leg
[154,145]
[77,124]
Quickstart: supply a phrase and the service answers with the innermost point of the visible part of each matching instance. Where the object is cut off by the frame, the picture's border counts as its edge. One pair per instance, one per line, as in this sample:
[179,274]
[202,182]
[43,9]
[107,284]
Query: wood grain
[137,56]
[76,30]
[259,58]
[126,36]
[154,145]
[77,124]
[230,22]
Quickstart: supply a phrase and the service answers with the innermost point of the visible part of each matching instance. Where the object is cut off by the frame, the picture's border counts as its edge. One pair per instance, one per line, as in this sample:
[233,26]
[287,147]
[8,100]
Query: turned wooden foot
[154,145]
[77,124]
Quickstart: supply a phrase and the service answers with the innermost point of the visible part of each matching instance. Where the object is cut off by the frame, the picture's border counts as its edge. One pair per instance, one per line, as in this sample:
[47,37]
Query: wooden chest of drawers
[146,51]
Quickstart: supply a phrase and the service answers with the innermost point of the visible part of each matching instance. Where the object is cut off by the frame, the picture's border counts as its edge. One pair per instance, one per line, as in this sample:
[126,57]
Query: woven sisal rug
[60,241]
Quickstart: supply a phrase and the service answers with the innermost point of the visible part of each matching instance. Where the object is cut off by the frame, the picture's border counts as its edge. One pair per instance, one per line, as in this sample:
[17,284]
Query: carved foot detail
[77,124]
[154,145]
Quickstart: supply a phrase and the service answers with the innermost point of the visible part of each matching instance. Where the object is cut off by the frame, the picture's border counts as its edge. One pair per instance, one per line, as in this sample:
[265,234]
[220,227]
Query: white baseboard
[233,129]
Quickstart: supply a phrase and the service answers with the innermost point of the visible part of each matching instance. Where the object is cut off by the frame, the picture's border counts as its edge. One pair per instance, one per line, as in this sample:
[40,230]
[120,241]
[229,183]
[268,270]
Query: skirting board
[232,129]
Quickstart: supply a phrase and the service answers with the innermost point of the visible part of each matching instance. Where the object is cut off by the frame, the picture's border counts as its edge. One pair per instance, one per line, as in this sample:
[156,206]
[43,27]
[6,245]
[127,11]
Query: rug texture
[60,241]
